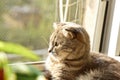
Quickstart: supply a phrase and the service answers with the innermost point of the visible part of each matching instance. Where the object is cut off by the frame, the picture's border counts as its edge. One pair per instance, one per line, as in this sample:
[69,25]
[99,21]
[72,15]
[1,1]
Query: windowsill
[38,64]
[16,58]
[116,57]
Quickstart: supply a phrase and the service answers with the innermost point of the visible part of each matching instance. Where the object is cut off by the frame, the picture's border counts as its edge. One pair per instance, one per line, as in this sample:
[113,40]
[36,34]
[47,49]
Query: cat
[70,57]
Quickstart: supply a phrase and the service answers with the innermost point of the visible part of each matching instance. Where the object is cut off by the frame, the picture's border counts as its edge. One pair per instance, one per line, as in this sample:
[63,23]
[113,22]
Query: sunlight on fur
[70,58]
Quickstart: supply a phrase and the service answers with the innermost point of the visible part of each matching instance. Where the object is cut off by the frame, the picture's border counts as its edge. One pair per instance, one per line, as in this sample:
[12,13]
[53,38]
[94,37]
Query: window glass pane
[118,44]
[75,12]
[27,22]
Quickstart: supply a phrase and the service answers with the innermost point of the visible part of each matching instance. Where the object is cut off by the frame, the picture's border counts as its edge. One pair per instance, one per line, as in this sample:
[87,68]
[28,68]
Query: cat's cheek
[63,55]
[69,50]
[57,50]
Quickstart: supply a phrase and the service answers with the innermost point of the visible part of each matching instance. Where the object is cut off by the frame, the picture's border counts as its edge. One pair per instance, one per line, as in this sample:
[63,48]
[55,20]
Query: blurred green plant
[7,47]
[26,72]
[5,70]
[19,71]
[13,48]
[31,37]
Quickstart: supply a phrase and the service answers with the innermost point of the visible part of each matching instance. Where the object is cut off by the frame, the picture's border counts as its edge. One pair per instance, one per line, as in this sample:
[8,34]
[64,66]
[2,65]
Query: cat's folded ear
[69,33]
[72,33]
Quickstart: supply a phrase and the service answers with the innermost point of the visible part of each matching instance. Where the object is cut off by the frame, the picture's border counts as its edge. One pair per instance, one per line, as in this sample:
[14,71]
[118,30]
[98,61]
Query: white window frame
[93,22]
[112,25]
[114,31]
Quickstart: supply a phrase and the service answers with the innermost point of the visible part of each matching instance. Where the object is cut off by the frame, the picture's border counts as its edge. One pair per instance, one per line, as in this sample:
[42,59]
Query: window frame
[114,31]
[104,32]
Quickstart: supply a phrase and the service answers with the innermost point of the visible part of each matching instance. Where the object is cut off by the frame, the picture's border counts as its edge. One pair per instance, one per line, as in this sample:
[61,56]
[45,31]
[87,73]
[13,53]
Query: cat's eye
[56,44]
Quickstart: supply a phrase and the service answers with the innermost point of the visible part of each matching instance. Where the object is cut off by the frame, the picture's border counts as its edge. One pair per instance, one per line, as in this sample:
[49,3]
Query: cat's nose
[49,50]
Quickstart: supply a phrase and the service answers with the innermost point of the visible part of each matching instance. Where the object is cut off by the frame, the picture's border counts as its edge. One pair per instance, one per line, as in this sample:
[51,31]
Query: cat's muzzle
[52,52]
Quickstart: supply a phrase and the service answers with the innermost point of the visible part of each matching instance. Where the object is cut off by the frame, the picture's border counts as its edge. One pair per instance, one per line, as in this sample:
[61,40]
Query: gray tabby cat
[70,57]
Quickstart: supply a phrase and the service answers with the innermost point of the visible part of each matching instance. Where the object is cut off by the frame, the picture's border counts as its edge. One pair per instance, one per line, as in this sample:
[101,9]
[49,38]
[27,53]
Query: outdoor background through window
[29,22]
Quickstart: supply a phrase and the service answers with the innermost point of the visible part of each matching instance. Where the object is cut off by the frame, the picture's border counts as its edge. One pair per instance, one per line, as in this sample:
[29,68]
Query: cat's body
[70,57]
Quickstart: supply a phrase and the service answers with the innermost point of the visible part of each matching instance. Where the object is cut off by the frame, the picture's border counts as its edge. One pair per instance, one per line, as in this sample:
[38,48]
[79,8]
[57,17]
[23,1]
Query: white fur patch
[90,75]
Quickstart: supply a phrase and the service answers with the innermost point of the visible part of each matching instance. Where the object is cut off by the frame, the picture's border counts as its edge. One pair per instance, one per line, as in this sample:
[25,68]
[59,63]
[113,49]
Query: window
[27,22]
[107,28]
[70,10]
[114,42]
[103,25]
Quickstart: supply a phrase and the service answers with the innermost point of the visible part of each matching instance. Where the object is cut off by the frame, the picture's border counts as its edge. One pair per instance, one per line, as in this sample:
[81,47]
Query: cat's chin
[55,57]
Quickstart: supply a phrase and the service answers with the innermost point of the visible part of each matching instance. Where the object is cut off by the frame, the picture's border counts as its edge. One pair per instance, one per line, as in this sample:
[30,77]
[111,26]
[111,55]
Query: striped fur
[70,57]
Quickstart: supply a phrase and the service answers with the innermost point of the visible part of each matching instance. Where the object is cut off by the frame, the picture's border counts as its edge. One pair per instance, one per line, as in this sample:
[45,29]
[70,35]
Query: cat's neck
[78,64]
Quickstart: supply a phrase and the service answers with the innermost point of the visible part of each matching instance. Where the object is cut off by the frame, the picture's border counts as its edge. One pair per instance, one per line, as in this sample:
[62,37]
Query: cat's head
[69,41]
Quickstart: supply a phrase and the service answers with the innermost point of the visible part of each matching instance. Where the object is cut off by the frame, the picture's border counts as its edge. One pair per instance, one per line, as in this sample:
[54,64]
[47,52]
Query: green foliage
[3,59]
[17,49]
[25,72]
[18,71]
[30,35]
[8,74]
